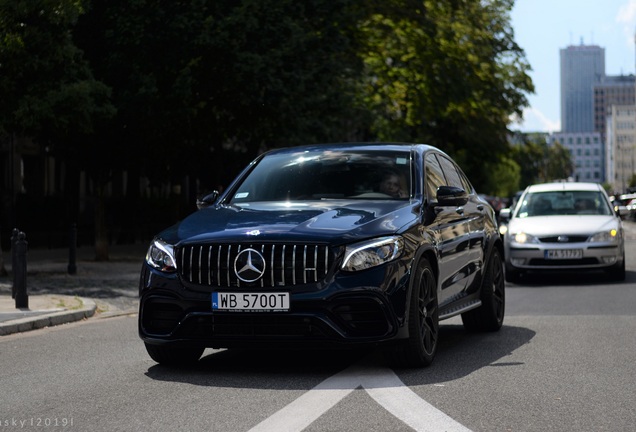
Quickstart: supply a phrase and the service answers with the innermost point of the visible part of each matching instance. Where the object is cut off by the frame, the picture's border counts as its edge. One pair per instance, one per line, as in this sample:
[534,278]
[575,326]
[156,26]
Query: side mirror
[451,196]
[207,200]
[504,215]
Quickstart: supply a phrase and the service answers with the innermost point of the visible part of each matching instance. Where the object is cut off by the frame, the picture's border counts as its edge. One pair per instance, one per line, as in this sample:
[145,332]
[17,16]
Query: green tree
[446,73]
[222,80]
[559,165]
[505,178]
[540,162]
[47,89]
[200,87]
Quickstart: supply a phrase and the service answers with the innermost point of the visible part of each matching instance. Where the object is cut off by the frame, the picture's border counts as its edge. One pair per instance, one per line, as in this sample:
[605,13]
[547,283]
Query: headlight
[161,256]
[604,236]
[361,256]
[524,238]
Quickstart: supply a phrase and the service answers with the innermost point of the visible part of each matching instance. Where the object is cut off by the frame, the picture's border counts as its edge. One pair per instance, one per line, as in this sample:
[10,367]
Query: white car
[564,226]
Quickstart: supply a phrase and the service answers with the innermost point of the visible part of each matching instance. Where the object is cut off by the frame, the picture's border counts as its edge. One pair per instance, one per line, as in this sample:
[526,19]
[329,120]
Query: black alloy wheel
[423,321]
[490,315]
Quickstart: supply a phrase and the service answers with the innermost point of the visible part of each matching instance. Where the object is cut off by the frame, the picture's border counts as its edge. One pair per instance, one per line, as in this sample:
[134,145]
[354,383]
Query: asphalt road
[564,361]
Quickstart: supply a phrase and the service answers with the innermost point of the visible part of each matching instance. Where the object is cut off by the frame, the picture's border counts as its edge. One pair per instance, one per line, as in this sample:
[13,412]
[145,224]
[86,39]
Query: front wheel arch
[419,349]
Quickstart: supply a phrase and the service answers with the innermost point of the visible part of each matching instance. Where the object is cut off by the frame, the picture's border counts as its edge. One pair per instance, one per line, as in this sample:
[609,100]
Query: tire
[174,356]
[617,271]
[423,322]
[490,315]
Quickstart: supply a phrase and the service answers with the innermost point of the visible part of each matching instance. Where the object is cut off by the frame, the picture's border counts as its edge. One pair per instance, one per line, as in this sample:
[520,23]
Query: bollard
[20,272]
[14,239]
[72,250]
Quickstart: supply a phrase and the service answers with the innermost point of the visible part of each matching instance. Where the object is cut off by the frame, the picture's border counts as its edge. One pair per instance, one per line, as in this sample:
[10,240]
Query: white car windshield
[558,203]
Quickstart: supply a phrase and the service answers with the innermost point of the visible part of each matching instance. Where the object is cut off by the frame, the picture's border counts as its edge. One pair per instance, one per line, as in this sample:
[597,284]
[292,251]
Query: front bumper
[535,256]
[336,313]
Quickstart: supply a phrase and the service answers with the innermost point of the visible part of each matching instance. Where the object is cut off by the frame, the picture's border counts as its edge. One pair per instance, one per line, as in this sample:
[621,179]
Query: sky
[543,27]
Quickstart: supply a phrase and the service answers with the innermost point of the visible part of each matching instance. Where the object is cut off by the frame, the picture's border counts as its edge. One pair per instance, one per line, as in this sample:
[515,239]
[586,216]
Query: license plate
[251,302]
[564,254]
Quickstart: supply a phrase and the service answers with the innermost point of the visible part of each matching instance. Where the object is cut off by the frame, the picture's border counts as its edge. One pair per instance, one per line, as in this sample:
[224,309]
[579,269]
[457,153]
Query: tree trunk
[3,271]
[101,231]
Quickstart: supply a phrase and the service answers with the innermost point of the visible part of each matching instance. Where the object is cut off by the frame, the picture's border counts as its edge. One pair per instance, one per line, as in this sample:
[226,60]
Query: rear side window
[450,172]
[434,176]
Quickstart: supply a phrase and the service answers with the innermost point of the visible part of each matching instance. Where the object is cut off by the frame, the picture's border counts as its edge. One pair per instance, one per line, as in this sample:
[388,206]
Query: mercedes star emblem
[249,265]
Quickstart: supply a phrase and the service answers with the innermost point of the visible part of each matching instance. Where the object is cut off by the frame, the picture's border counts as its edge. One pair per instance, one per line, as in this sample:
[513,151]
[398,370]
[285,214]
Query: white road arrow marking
[382,385]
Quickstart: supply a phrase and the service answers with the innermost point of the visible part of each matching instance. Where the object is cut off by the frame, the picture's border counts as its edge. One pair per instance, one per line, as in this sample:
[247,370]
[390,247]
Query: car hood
[333,222]
[553,225]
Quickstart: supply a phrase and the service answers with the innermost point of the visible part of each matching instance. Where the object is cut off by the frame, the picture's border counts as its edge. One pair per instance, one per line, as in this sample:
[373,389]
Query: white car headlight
[604,236]
[361,256]
[161,256]
[524,238]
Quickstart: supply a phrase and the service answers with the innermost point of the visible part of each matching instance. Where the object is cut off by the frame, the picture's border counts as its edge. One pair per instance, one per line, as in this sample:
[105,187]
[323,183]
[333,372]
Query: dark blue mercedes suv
[332,245]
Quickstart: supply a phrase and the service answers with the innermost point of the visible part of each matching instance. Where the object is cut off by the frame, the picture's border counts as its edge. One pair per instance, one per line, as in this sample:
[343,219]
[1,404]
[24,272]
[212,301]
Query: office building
[612,90]
[582,67]
[620,151]
[586,149]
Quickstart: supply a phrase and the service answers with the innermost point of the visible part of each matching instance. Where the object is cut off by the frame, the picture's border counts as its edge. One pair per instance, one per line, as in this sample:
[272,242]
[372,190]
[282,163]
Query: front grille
[252,326]
[564,239]
[285,264]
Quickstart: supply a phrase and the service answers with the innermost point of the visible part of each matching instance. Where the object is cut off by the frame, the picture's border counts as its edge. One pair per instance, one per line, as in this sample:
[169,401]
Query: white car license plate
[564,254]
[252,302]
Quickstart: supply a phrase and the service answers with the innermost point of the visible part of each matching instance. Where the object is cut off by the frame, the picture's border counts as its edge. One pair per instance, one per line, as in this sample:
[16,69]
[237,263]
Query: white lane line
[390,392]
[382,385]
[306,409]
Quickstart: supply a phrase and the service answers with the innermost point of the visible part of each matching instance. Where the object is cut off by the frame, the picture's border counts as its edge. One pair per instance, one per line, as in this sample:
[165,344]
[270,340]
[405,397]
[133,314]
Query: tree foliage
[222,79]
[189,91]
[447,73]
[540,162]
[507,174]
[46,87]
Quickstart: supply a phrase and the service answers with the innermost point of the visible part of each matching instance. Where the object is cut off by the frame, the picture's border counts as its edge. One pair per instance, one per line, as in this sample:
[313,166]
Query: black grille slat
[286,264]
[570,239]
[563,262]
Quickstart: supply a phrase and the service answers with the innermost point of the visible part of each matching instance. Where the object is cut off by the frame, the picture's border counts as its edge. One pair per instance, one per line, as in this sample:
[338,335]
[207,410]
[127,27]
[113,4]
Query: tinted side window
[451,173]
[467,186]
[434,176]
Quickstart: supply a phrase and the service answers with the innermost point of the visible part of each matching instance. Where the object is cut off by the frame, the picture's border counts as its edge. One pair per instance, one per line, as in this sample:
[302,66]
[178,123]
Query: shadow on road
[459,354]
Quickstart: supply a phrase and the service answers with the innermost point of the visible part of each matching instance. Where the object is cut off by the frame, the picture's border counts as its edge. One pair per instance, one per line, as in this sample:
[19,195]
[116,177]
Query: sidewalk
[98,289]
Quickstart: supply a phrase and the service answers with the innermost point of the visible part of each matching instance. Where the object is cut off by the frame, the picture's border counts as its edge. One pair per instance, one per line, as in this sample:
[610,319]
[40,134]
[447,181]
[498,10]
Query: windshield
[327,174]
[557,203]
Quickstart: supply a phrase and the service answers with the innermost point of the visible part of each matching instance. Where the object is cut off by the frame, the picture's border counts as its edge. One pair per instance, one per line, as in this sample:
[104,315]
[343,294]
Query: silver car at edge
[564,226]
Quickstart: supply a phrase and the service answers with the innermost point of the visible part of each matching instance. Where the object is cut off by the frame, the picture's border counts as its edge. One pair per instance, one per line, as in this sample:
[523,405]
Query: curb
[49,320]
